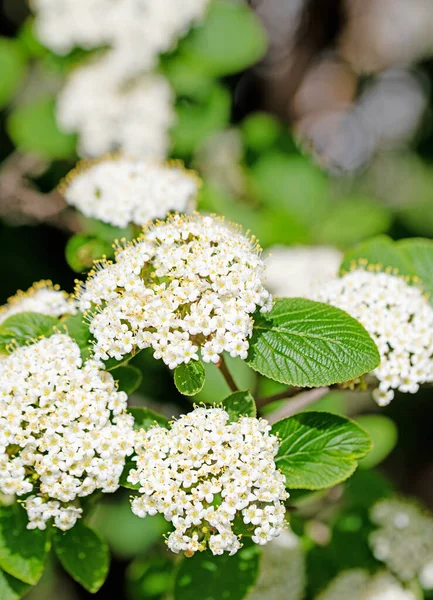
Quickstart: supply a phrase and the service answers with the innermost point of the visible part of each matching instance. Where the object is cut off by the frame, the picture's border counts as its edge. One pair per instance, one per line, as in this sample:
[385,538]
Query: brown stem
[289,393]
[298,403]
[221,364]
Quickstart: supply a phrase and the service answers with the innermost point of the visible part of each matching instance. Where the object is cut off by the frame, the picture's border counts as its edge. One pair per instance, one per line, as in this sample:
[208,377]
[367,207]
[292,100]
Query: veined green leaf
[189,378]
[309,344]
[240,404]
[25,327]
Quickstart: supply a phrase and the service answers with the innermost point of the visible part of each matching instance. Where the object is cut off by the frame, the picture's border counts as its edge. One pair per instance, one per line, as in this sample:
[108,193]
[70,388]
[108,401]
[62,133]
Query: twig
[288,393]
[298,403]
[221,364]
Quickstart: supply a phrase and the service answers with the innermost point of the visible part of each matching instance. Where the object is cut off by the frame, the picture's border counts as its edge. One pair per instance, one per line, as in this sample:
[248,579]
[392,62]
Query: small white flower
[43,297]
[59,439]
[202,484]
[399,319]
[123,190]
[189,284]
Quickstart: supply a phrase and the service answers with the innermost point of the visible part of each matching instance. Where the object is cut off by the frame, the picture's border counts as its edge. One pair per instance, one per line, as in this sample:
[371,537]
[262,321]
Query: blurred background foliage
[326,139]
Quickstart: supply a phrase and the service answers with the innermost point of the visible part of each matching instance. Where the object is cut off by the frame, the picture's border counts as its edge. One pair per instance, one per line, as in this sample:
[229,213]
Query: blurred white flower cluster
[123,190]
[293,271]
[208,476]
[110,115]
[116,102]
[189,283]
[360,585]
[399,319]
[404,539]
[142,28]
[64,432]
[43,297]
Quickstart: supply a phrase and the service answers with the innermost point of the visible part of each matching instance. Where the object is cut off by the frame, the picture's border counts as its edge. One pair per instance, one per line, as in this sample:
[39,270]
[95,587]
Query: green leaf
[11,588]
[79,331]
[25,327]
[240,404]
[260,131]
[82,250]
[309,344]
[149,578]
[33,128]
[105,231]
[189,378]
[318,450]
[144,418]
[218,577]
[123,479]
[419,252]
[383,433]
[198,119]
[22,551]
[84,555]
[12,68]
[230,39]
[128,378]
[380,250]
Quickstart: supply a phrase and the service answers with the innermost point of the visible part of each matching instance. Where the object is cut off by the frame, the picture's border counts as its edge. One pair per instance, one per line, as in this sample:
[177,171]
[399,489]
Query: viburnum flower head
[399,319]
[121,190]
[113,115]
[190,284]
[43,297]
[143,28]
[64,430]
[210,477]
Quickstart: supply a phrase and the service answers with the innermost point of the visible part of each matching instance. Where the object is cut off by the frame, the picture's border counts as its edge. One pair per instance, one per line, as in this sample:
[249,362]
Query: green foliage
[318,450]
[382,251]
[309,344]
[383,433]
[239,404]
[419,252]
[128,378]
[144,418]
[12,68]
[260,131]
[218,577]
[105,231]
[33,128]
[79,331]
[25,327]
[84,555]
[198,118]
[216,388]
[82,250]
[22,551]
[230,39]
[350,221]
[149,579]
[11,588]
[189,378]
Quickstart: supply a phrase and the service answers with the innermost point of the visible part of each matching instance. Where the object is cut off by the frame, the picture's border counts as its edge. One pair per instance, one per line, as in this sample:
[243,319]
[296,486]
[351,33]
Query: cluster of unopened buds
[399,319]
[190,284]
[215,480]
[64,430]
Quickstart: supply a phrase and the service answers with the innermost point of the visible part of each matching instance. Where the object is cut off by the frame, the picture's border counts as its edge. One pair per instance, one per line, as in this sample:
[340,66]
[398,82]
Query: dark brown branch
[226,374]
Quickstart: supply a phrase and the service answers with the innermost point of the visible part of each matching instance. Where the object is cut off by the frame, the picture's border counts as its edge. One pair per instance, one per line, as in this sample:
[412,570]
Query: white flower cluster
[64,432]
[400,321]
[300,270]
[190,283]
[142,28]
[43,297]
[360,585]
[404,539]
[209,477]
[124,190]
[111,115]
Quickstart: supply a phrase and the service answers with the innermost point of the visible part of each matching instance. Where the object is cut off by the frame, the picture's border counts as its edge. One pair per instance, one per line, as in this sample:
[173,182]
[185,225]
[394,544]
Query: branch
[289,393]
[298,403]
[221,364]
